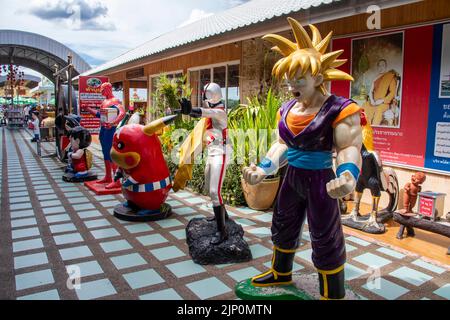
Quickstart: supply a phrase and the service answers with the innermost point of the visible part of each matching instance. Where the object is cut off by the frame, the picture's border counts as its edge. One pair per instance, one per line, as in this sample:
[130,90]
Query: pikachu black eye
[120,145]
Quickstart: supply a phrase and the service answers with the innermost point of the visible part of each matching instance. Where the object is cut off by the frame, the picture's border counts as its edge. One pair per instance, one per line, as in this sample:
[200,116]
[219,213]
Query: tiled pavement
[50,229]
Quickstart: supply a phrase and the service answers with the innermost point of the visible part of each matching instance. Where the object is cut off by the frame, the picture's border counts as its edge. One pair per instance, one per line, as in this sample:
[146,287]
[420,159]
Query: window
[226,76]
[154,82]
[233,96]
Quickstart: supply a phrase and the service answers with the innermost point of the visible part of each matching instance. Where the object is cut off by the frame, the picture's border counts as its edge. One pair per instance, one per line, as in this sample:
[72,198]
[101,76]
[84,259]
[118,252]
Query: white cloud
[74,14]
[196,14]
[124,24]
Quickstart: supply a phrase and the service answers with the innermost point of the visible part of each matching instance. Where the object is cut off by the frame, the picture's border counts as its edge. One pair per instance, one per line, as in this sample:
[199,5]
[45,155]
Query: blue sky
[100,30]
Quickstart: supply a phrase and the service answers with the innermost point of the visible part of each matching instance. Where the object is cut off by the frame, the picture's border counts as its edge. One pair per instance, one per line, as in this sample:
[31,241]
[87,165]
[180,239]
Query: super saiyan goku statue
[311,127]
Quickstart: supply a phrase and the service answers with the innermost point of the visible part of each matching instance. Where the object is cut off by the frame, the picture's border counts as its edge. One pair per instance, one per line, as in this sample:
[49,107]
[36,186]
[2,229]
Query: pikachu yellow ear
[157,125]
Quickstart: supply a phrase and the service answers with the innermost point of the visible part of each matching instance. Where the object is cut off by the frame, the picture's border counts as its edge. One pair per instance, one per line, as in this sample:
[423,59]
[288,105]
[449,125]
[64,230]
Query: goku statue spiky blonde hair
[307,55]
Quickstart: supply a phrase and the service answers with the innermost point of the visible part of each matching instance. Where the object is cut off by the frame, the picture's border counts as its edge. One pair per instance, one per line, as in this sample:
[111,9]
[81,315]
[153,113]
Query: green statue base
[304,287]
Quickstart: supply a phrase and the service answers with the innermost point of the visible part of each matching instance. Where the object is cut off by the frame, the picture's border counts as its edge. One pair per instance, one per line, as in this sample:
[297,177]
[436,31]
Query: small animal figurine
[411,192]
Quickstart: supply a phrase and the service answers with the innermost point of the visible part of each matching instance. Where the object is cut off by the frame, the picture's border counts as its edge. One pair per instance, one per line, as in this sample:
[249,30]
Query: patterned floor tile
[391,253]
[74,194]
[184,211]
[429,266]
[194,200]
[169,223]
[152,239]
[185,269]
[359,241]
[34,279]
[58,218]
[245,222]
[86,269]
[92,224]
[168,294]
[208,288]
[259,251]
[264,217]
[21,246]
[142,279]
[78,200]
[179,234]
[110,204]
[96,289]
[22,214]
[209,208]
[20,206]
[84,206]
[105,198]
[48,211]
[25,233]
[89,214]
[444,292]
[411,276]
[68,238]
[372,260]
[386,289]
[138,228]
[19,200]
[42,296]
[75,253]
[18,194]
[47,197]
[167,253]
[69,189]
[305,255]
[261,232]
[30,260]
[243,274]
[183,195]
[42,186]
[352,272]
[115,246]
[19,223]
[17,189]
[174,203]
[105,233]
[50,203]
[128,261]
[247,211]
[62,228]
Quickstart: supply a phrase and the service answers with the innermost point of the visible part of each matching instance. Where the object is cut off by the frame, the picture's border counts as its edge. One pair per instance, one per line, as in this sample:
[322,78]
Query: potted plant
[257,121]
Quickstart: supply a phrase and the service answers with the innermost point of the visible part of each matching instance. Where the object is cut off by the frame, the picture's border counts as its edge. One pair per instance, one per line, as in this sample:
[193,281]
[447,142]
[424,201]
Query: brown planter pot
[261,196]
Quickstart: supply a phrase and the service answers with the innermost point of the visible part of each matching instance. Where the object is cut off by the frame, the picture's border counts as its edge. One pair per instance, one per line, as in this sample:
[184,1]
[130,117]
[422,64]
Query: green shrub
[258,113]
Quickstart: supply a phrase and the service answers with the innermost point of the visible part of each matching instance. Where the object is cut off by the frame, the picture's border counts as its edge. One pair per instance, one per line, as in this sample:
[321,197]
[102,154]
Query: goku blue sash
[310,160]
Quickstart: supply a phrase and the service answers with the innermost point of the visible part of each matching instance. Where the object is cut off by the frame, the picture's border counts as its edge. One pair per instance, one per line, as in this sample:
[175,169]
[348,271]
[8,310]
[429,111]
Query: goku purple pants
[303,194]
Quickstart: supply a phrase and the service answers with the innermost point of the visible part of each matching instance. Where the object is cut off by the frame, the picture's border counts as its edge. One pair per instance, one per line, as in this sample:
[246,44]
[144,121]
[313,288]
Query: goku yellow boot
[332,284]
[281,272]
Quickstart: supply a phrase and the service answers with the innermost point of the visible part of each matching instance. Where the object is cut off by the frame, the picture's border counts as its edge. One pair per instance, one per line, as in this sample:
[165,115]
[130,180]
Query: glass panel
[205,77]
[220,77]
[154,81]
[194,83]
[233,98]
[138,95]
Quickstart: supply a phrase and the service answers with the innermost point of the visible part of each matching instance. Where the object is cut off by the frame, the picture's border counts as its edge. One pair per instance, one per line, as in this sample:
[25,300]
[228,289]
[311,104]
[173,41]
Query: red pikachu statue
[145,176]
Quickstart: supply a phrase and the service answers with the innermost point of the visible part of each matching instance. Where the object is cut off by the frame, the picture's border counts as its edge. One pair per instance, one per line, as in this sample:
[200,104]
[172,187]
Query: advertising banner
[90,96]
[392,83]
[438,141]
